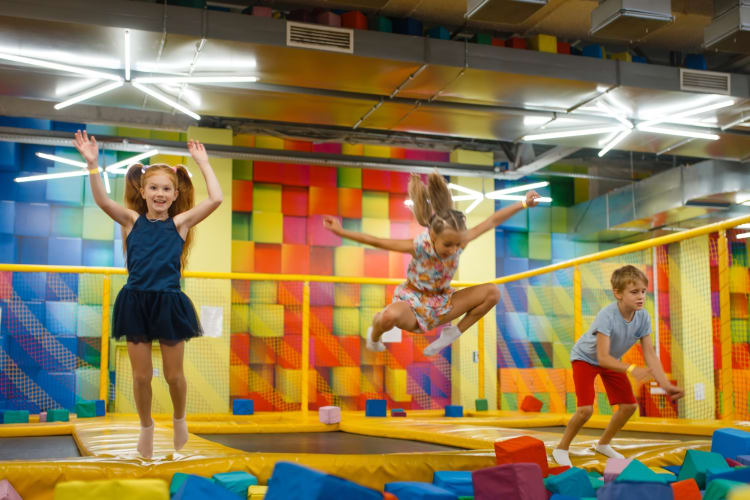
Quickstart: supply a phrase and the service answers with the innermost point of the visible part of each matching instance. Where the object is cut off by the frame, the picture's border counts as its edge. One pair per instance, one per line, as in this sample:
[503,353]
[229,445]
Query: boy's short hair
[626,275]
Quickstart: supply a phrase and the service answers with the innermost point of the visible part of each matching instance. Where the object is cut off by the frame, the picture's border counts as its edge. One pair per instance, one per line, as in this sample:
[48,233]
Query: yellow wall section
[477,264]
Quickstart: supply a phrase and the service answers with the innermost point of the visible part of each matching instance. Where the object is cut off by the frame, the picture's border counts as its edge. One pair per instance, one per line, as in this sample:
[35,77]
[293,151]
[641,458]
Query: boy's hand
[674,392]
[332,224]
[531,197]
[198,152]
[86,146]
[641,374]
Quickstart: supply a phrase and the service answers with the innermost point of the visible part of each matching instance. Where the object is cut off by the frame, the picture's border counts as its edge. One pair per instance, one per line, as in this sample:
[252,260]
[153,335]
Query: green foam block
[697,463]
[58,415]
[639,473]
[86,409]
[482,405]
[15,417]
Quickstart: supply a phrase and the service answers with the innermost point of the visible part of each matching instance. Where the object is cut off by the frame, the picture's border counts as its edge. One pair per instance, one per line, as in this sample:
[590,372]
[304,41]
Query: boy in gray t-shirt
[617,327]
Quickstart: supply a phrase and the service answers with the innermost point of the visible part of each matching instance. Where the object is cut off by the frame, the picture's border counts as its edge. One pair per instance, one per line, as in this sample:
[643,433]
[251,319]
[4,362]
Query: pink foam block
[43,416]
[614,466]
[521,481]
[7,492]
[329,414]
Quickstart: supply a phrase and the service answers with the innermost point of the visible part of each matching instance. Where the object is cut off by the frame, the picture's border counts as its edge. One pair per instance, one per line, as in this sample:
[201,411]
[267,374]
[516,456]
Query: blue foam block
[10,156]
[629,490]
[30,286]
[730,443]
[7,216]
[176,483]
[457,481]
[61,317]
[36,123]
[8,187]
[23,317]
[101,408]
[45,352]
[375,408]
[30,192]
[98,253]
[594,51]
[408,26]
[236,481]
[62,286]
[414,490]
[31,250]
[32,163]
[64,251]
[674,469]
[68,126]
[741,474]
[302,483]
[60,386]
[7,248]
[743,459]
[454,411]
[439,32]
[200,488]
[574,482]
[695,61]
[243,407]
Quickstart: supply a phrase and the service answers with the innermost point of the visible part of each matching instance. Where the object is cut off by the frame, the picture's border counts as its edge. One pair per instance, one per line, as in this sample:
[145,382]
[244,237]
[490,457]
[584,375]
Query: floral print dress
[427,289]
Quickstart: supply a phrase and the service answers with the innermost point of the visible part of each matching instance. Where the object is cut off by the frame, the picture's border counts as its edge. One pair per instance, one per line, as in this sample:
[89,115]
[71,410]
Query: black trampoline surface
[335,442]
[651,436]
[38,448]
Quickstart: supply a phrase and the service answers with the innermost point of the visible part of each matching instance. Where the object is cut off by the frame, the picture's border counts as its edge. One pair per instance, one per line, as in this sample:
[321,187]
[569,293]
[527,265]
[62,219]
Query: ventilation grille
[704,81]
[313,36]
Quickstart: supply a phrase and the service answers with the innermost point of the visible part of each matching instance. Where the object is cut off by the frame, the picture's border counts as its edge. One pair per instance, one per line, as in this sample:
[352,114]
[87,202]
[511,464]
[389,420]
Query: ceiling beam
[547,158]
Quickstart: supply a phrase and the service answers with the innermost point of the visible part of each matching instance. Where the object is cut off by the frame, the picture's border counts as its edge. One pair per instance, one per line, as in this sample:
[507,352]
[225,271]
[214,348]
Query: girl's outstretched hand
[332,224]
[531,197]
[86,146]
[197,151]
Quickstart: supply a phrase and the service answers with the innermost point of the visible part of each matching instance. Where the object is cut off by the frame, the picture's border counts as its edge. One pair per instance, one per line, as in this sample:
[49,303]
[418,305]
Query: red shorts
[617,385]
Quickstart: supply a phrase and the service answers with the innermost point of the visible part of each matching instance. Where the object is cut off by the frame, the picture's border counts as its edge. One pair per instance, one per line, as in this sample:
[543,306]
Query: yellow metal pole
[726,410]
[305,348]
[480,356]
[577,304]
[104,358]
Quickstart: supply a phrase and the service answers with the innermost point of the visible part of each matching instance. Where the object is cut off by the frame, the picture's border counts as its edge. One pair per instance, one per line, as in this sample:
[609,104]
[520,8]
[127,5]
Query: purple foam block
[329,414]
[613,468]
[521,481]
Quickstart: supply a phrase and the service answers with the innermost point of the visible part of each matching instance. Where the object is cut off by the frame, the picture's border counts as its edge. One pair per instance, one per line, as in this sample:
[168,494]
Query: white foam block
[393,335]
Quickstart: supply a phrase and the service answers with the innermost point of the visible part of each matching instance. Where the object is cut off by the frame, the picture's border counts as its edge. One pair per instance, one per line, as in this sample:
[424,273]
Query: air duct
[730,29]
[630,19]
[502,11]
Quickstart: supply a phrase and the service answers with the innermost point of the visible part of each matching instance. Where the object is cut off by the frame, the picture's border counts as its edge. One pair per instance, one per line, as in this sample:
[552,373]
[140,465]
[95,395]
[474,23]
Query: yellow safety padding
[140,489]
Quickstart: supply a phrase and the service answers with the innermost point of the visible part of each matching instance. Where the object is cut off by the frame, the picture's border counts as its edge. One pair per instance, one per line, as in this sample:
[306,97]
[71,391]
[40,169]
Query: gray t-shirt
[622,335]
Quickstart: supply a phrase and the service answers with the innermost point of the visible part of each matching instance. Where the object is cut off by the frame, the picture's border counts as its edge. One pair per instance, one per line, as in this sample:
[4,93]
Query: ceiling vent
[705,81]
[313,36]
[502,11]
[730,31]
[630,19]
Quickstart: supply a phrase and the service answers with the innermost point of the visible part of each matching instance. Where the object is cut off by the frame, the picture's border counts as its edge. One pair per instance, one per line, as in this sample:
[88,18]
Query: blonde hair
[136,178]
[627,275]
[433,204]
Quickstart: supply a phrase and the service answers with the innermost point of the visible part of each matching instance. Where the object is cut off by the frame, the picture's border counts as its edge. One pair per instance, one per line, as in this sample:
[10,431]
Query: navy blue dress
[151,305]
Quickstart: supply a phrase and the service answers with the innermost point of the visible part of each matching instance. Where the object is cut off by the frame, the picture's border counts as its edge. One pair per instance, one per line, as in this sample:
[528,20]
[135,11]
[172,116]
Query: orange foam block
[686,489]
[522,449]
[323,200]
[530,403]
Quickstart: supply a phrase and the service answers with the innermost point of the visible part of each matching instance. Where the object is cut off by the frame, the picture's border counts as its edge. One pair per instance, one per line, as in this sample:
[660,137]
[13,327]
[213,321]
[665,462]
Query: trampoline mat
[595,433]
[335,442]
[38,448]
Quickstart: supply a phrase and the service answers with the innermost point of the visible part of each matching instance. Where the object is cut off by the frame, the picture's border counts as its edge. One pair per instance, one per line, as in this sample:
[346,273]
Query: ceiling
[415,89]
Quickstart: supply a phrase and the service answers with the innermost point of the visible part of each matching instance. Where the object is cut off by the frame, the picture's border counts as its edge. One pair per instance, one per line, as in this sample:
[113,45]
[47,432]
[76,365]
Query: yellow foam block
[289,383]
[238,379]
[739,493]
[268,142]
[142,489]
[168,159]
[621,56]
[266,320]
[377,151]
[560,356]
[243,256]
[395,384]
[372,296]
[365,319]
[240,318]
[346,295]
[346,321]
[263,292]
[739,281]
[256,492]
[345,380]
[373,378]
[245,140]
[353,149]
[380,228]
[268,227]
[543,43]
[260,379]
[374,204]
[267,198]
[348,261]
[471,157]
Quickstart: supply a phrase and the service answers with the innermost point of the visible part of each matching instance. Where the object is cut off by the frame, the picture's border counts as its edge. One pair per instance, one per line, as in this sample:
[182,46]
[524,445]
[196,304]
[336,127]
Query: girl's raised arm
[90,151]
[190,218]
[500,216]
[403,246]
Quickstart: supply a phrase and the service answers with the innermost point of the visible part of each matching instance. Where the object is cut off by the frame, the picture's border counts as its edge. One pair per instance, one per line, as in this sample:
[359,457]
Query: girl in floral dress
[426,300]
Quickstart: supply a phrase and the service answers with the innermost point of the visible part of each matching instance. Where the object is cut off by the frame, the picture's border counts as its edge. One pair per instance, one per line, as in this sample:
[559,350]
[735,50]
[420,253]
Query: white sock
[607,451]
[146,441]
[562,457]
[180,430]
[448,335]
[378,346]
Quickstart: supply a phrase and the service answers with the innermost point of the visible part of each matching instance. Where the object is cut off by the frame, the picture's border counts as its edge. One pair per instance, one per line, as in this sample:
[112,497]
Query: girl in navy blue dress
[157,223]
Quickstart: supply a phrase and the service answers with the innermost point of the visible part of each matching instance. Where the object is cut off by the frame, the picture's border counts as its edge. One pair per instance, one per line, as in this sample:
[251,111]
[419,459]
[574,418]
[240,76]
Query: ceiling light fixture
[89,94]
[60,67]
[614,142]
[495,195]
[572,133]
[61,175]
[678,132]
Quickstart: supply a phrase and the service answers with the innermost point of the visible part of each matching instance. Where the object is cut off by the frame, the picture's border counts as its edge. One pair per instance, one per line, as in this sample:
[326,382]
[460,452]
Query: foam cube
[686,490]
[58,415]
[177,479]
[741,474]
[481,405]
[743,459]
[574,482]
[414,490]
[15,417]
[198,488]
[730,443]
[257,492]
[697,463]
[614,466]
[720,488]
[7,492]
[629,490]
[237,482]
[454,411]
[522,449]
[143,489]
[42,418]
[302,483]
[375,408]
[329,414]
[398,412]
[354,19]
[242,407]
[520,481]
[85,409]
[457,481]
[531,404]
[636,472]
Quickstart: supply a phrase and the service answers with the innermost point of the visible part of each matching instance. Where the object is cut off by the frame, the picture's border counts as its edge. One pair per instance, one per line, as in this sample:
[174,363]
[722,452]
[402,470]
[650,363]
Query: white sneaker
[562,457]
[378,346]
[448,335]
[607,451]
